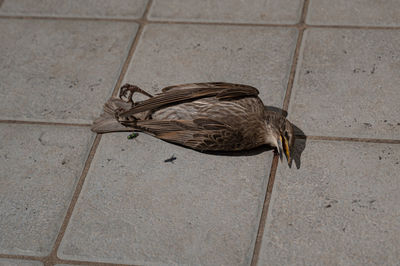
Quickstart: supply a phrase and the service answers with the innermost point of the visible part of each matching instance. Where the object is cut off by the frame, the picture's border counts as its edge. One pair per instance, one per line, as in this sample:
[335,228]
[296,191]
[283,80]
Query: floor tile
[254,11]
[175,54]
[10,262]
[347,84]
[339,208]
[59,70]
[39,168]
[354,12]
[75,8]
[135,208]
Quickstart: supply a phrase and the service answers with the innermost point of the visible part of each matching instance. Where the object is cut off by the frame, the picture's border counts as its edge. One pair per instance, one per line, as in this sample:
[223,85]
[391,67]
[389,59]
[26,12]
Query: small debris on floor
[133,135]
[170,160]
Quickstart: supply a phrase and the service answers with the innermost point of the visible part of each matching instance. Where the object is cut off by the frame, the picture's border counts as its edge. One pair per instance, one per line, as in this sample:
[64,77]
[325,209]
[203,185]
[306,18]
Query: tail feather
[107,122]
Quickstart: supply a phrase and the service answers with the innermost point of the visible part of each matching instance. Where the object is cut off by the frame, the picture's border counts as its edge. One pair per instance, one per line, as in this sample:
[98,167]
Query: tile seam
[349,139]
[145,21]
[311,137]
[264,212]
[132,48]
[21,257]
[274,166]
[43,123]
[58,261]
[53,258]
[295,60]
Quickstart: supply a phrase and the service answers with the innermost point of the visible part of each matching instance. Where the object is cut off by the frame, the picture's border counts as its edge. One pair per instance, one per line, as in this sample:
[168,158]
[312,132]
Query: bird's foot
[126,93]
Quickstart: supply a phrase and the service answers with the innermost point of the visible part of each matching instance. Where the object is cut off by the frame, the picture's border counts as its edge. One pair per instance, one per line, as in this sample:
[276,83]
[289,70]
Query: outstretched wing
[185,92]
[200,134]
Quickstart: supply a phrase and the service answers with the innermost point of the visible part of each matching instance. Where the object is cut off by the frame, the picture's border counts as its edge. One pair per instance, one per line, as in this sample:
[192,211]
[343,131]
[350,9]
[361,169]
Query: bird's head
[281,135]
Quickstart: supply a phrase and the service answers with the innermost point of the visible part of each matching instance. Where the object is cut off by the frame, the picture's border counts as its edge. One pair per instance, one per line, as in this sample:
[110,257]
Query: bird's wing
[200,134]
[192,91]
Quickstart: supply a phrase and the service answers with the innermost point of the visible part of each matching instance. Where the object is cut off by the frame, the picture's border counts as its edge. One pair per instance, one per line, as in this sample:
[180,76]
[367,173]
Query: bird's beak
[286,148]
[279,147]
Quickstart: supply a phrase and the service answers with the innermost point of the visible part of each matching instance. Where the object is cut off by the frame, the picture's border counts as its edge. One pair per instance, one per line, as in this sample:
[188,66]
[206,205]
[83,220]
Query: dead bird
[214,116]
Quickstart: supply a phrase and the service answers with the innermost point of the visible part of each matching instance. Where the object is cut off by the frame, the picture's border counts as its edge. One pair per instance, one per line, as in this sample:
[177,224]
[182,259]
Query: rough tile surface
[347,84]
[253,11]
[137,209]
[39,167]
[354,12]
[75,8]
[10,262]
[339,208]
[174,54]
[59,70]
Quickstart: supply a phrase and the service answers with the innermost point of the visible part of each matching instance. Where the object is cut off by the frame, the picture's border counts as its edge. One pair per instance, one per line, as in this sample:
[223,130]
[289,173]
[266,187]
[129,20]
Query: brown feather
[191,92]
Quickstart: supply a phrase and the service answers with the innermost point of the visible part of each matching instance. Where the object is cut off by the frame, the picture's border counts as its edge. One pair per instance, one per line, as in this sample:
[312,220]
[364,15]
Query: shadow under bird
[214,116]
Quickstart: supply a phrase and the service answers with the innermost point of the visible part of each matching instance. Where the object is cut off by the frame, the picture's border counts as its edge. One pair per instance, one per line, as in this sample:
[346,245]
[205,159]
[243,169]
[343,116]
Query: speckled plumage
[202,116]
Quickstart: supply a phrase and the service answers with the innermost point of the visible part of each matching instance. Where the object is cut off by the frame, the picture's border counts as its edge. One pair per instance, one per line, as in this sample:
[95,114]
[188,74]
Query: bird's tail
[107,122]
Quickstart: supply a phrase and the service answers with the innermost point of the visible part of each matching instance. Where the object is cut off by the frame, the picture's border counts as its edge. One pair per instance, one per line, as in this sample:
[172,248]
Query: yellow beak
[286,148]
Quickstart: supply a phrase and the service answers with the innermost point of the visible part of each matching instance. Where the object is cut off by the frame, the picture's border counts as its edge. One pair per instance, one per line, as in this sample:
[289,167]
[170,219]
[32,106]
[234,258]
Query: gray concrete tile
[10,262]
[347,83]
[254,11]
[59,70]
[339,208]
[76,8]
[354,12]
[39,168]
[174,54]
[136,209]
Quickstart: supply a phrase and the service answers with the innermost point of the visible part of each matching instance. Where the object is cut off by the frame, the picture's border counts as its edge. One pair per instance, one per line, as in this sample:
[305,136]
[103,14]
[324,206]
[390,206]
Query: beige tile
[253,11]
[354,12]
[174,54]
[11,262]
[75,8]
[136,209]
[339,208]
[60,70]
[347,84]
[39,167]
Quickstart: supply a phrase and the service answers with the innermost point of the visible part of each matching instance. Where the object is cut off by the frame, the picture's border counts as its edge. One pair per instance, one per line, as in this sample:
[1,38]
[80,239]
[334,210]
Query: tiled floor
[69,197]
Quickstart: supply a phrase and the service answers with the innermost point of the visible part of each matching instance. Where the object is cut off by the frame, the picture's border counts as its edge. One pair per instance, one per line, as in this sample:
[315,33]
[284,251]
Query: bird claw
[127,90]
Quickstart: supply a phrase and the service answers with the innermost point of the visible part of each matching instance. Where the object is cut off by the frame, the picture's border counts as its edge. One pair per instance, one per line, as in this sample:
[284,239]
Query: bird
[209,116]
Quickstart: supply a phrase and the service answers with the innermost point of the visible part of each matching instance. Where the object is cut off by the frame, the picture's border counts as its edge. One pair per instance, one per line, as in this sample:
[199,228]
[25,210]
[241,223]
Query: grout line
[43,123]
[59,261]
[354,27]
[295,57]
[128,60]
[20,257]
[80,18]
[53,255]
[132,49]
[264,212]
[350,139]
[53,258]
[223,23]
[331,138]
[274,166]
[147,10]
[88,263]
[145,21]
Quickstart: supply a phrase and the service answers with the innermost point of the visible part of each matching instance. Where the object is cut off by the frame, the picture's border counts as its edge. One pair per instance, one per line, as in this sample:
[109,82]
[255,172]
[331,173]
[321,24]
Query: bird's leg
[125,120]
[126,92]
